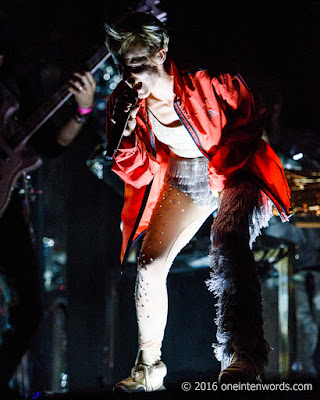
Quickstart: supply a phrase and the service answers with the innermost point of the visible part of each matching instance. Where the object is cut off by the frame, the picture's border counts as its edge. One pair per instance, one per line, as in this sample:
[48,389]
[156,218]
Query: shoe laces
[141,373]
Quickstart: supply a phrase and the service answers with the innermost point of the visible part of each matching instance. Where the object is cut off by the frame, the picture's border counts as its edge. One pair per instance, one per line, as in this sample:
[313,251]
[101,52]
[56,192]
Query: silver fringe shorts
[190,175]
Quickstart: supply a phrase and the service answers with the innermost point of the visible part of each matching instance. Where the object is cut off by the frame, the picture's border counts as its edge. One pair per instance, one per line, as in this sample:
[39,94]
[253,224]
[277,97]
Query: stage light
[48,275]
[64,380]
[297,156]
[48,242]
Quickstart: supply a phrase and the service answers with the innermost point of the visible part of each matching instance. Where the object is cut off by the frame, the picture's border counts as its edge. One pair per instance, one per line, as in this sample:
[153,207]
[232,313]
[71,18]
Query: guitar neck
[56,101]
[62,95]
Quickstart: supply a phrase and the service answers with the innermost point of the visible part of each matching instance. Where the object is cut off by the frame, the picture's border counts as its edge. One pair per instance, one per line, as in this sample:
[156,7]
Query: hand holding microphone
[125,110]
[123,118]
[132,122]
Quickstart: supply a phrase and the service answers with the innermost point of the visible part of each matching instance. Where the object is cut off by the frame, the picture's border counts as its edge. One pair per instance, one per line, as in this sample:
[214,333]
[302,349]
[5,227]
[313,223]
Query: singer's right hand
[123,105]
[132,122]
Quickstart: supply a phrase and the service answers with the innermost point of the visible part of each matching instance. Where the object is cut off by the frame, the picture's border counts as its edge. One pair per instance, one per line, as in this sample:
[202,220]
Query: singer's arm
[132,162]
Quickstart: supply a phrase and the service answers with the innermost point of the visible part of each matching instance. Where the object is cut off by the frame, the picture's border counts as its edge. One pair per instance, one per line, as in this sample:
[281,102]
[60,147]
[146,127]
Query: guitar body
[12,165]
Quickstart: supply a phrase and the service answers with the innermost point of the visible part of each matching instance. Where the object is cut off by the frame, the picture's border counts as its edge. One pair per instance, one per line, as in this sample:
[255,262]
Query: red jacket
[219,113]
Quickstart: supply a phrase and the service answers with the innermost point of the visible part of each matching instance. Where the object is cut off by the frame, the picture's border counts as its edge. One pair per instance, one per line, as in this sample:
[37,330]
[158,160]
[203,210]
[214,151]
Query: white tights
[175,220]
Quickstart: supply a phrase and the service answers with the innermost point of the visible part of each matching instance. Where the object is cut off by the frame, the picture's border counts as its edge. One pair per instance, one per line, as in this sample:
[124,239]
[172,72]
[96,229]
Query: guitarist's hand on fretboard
[83,86]
[17,158]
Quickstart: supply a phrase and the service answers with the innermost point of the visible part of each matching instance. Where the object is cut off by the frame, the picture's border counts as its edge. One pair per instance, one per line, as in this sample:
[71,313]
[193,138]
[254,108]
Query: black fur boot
[241,346]
[235,283]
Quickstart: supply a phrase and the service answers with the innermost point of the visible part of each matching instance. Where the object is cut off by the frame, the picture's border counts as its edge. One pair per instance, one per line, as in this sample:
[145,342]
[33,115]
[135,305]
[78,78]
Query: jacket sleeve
[243,129]
[132,162]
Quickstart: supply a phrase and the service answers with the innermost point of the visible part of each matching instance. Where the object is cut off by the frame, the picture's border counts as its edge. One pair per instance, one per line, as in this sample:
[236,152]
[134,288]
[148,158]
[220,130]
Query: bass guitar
[15,155]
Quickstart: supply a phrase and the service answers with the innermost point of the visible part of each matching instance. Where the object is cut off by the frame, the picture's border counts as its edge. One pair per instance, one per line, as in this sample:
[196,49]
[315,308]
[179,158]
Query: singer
[192,144]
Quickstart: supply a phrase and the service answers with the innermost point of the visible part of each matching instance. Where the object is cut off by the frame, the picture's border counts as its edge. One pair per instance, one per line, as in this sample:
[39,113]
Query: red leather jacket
[219,113]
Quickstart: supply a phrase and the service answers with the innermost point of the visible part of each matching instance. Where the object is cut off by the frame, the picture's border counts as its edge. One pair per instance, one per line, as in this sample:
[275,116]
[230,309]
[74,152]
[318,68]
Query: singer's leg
[175,220]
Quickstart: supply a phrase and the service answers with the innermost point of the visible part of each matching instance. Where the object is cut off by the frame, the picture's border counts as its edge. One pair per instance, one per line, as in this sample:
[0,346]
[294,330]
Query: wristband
[81,118]
[84,111]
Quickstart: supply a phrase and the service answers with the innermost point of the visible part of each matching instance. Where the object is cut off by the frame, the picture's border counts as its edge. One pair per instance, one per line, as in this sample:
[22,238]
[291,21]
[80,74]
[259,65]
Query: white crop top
[178,138]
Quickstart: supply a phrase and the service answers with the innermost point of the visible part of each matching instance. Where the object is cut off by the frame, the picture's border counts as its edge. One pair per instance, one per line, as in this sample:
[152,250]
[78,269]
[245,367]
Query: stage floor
[207,389]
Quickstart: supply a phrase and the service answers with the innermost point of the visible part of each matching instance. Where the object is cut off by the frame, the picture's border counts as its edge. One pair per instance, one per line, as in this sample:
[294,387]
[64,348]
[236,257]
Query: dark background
[273,38]
[276,42]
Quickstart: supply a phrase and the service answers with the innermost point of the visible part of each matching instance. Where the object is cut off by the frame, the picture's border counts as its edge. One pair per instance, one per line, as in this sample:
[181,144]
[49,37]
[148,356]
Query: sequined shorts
[190,175]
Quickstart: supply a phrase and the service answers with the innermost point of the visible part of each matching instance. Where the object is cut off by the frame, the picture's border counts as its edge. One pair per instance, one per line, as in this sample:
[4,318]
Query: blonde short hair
[136,31]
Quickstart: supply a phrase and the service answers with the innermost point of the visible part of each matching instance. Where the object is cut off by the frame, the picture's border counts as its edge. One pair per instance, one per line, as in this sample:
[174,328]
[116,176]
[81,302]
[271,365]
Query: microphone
[121,118]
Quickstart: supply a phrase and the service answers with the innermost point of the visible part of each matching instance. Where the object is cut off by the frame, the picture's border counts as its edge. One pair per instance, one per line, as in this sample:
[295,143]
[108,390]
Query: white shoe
[144,378]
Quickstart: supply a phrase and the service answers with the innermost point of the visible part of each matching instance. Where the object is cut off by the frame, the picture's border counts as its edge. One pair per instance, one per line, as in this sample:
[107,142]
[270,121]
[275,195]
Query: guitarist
[18,268]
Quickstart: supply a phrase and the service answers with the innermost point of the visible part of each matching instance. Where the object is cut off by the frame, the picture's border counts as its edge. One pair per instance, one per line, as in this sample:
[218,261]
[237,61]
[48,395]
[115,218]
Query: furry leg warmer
[234,279]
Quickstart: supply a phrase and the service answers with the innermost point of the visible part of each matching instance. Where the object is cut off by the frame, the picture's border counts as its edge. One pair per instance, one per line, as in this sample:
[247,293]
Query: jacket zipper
[189,127]
[152,141]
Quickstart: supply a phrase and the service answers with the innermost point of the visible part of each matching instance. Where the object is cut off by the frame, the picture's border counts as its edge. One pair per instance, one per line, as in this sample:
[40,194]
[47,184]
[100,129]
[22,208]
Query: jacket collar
[177,88]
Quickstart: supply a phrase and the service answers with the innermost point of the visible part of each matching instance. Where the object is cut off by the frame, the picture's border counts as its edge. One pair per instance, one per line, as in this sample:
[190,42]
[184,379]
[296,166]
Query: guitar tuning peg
[162,17]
